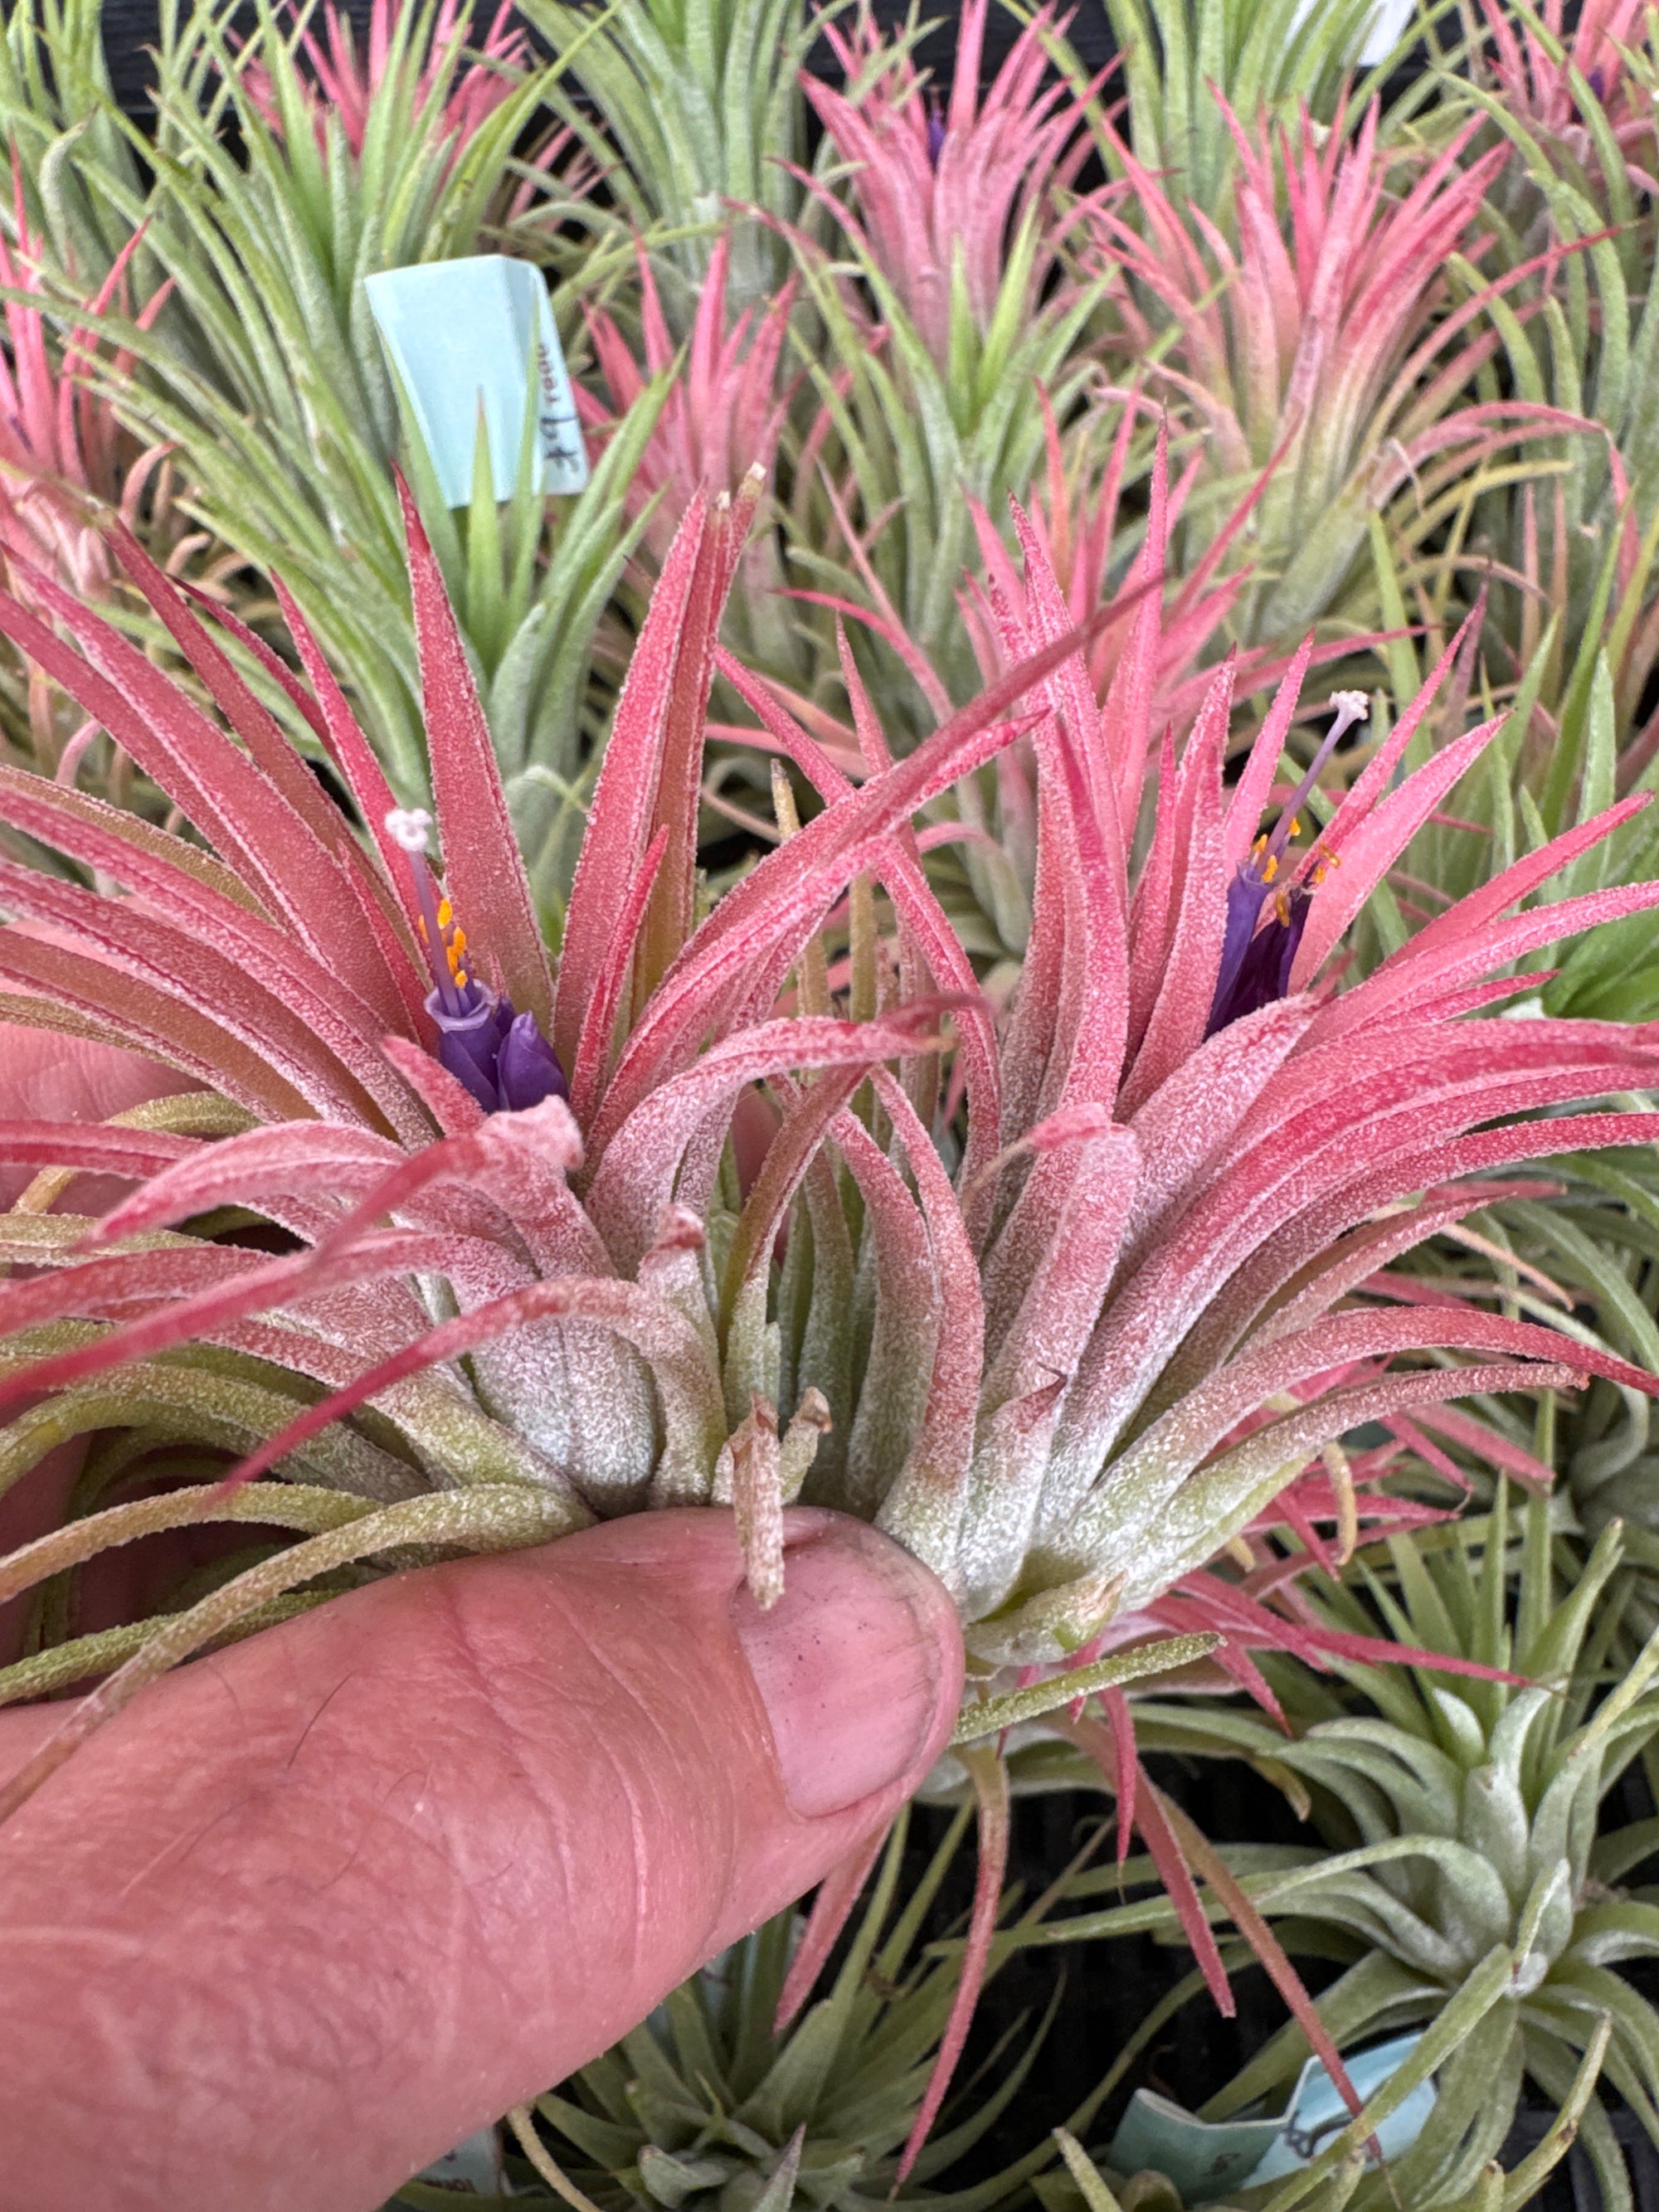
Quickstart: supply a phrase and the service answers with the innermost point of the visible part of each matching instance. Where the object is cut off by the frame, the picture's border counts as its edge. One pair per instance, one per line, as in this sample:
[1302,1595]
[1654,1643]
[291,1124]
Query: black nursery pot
[1573,2186]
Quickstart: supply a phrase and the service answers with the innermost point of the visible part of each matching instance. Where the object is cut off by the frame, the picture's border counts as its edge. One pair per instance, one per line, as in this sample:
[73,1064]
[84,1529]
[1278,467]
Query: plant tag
[463,335]
[1205,2159]
[1317,2112]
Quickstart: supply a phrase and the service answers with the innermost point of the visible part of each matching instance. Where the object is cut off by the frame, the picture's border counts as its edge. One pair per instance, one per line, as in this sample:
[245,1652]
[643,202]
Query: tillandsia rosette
[1067,1325]
[708,2107]
[464,81]
[1471,1882]
[1323,349]
[63,447]
[943,185]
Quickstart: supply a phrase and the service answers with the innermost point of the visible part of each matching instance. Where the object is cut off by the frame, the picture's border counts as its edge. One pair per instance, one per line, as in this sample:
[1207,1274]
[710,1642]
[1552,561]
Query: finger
[315,1908]
[47,1078]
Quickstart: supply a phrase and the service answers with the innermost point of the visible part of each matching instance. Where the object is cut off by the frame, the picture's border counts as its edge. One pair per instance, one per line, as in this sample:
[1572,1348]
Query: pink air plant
[347,80]
[727,404]
[1320,342]
[1540,72]
[1127,1329]
[943,186]
[1079,531]
[66,460]
[1078,523]
[59,439]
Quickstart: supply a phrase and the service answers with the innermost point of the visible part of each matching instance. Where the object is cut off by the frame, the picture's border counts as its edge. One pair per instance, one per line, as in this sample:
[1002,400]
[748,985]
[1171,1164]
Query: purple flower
[1257,956]
[499,1055]
[527,1069]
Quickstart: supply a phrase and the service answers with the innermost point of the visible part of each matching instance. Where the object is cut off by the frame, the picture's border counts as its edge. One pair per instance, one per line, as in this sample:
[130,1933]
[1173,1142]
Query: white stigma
[1352,706]
[410,827]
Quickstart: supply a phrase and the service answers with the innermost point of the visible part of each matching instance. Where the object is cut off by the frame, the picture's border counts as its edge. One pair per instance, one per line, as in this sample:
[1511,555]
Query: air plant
[66,461]
[1066,1358]
[1083,516]
[1265,57]
[1463,1882]
[701,100]
[344,84]
[1577,91]
[709,2102]
[1341,2167]
[944,188]
[925,405]
[1320,342]
[82,174]
[726,402]
[723,412]
[269,382]
[1578,731]
[1580,332]
[1583,1249]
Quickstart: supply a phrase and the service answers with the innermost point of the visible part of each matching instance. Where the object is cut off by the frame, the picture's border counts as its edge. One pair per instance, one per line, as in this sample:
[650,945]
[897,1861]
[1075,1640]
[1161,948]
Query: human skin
[316,1906]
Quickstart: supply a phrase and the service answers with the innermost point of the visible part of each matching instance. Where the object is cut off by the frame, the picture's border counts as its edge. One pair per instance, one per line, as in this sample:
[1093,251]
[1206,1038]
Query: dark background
[130,26]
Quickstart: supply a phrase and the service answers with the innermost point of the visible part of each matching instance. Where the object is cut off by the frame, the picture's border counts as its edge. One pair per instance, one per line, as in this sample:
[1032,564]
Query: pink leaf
[990,1779]
[484,873]
[838,1892]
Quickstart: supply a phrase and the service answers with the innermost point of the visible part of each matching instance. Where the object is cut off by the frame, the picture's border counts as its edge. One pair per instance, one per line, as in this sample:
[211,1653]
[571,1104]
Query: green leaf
[989,1716]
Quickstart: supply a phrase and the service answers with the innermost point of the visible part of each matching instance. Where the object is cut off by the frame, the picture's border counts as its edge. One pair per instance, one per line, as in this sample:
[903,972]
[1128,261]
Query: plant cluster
[1033,918]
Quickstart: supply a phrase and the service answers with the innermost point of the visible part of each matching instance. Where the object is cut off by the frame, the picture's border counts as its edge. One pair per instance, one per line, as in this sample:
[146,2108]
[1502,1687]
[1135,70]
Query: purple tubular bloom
[1244,896]
[527,1069]
[935,132]
[1259,970]
[469,1042]
[1255,962]
[500,1056]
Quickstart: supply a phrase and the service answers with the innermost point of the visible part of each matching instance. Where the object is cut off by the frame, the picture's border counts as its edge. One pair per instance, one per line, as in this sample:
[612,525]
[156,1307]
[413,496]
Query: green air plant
[1263,56]
[724,2099]
[78,172]
[1585,1247]
[1467,1881]
[701,100]
[268,381]
[1334,2183]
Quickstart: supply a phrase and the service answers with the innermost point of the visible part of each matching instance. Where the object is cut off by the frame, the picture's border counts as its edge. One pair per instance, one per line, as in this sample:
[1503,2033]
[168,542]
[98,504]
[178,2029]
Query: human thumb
[316,1907]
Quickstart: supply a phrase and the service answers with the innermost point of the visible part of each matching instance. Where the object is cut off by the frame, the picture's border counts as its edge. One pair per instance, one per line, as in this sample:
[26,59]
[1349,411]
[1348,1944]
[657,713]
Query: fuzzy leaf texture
[1067,1341]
